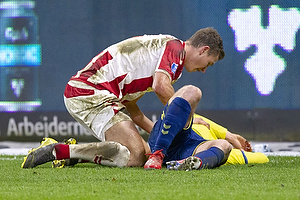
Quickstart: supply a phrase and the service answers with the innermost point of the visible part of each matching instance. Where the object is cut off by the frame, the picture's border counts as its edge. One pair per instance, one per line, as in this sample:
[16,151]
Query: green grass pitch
[278,179]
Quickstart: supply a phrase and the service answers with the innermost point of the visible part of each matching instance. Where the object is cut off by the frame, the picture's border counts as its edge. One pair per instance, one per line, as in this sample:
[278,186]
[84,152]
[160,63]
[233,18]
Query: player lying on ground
[241,152]
[173,141]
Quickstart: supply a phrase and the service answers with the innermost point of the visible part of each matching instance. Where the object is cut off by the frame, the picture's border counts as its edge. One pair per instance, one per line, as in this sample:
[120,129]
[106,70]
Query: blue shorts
[183,145]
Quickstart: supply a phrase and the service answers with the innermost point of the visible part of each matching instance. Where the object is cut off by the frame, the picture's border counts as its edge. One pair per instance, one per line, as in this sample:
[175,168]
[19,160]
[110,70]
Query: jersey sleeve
[171,62]
[216,131]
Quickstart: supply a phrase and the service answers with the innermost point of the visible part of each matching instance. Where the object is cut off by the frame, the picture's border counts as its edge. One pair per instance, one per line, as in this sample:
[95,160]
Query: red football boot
[155,160]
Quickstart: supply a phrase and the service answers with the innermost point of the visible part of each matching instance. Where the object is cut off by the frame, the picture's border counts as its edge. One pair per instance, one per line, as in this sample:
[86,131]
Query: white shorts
[97,112]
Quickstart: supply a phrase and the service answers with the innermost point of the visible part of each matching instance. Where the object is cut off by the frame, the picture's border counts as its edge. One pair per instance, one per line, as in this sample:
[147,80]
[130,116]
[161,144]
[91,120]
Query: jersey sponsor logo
[174,67]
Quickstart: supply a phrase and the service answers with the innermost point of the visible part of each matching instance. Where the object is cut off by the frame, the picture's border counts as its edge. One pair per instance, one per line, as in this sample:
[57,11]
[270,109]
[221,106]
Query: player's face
[201,61]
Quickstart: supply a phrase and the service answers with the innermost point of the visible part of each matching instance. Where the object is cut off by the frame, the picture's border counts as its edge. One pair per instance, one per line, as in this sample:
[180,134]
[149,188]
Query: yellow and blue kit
[177,142]
[236,156]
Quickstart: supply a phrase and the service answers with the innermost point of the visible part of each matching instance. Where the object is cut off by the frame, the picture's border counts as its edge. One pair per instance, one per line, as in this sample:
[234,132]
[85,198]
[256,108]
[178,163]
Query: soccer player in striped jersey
[103,96]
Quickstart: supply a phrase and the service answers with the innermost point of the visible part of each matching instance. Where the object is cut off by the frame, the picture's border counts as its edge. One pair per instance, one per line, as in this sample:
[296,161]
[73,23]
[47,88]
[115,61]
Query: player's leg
[208,155]
[176,115]
[237,156]
[190,93]
[103,153]
[127,134]
[106,119]
[106,153]
[213,153]
[120,128]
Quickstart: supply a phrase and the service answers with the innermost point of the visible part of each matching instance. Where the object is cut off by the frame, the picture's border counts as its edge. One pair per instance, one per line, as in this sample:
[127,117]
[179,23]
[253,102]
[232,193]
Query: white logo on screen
[265,65]
[14,35]
[17,86]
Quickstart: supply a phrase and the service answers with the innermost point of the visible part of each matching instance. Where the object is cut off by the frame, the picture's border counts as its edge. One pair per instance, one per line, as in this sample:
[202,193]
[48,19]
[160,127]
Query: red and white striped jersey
[127,68]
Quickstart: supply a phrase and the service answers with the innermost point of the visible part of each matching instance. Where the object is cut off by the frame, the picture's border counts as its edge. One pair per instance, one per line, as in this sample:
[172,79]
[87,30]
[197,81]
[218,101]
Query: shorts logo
[174,68]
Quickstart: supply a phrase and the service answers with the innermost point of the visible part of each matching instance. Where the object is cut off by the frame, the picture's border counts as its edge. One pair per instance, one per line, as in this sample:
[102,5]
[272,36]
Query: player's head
[208,37]
[203,49]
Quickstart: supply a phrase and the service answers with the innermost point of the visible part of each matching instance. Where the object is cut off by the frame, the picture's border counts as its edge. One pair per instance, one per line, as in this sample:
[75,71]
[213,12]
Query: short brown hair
[208,37]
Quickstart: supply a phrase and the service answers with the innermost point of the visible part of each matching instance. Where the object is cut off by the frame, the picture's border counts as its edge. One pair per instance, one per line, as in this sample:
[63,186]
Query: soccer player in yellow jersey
[241,152]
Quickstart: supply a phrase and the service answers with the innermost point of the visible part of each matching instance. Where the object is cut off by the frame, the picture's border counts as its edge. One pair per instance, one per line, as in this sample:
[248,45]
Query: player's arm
[162,87]
[138,116]
[238,141]
[200,120]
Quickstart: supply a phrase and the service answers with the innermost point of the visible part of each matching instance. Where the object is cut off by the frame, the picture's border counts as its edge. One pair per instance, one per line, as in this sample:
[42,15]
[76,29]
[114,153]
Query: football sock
[212,157]
[175,117]
[62,151]
[83,161]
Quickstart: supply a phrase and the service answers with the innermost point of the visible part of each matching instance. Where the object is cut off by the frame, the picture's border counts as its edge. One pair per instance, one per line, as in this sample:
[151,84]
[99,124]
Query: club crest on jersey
[174,68]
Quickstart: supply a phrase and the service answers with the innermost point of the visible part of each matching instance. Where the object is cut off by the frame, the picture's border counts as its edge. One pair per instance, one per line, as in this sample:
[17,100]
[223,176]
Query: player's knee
[192,93]
[224,145]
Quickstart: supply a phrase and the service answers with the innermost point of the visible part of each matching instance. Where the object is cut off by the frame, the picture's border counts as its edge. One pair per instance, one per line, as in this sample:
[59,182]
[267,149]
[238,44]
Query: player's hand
[199,120]
[246,146]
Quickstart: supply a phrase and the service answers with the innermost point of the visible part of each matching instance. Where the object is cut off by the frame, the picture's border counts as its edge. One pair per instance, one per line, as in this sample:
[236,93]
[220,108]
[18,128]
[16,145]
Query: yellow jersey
[236,156]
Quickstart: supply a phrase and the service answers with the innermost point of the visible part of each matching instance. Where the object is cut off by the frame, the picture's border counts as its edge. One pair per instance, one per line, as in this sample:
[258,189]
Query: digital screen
[265,65]
[20,57]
